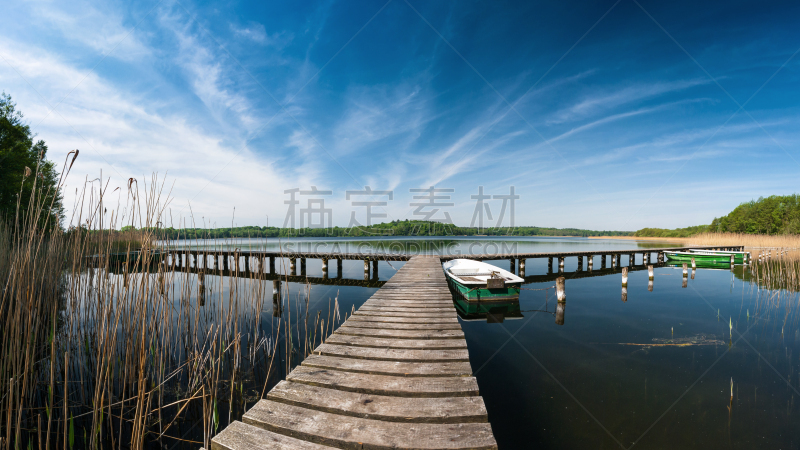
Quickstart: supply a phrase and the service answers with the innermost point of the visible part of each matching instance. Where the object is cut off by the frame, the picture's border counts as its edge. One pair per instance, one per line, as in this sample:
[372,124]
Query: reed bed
[101,350]
[751,241]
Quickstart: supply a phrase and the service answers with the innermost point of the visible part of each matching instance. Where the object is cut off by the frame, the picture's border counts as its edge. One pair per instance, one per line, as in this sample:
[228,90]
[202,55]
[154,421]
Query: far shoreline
[641,238]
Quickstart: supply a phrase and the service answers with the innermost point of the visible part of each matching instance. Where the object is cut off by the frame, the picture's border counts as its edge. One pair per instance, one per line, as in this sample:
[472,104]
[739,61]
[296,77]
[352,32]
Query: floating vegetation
[698,340]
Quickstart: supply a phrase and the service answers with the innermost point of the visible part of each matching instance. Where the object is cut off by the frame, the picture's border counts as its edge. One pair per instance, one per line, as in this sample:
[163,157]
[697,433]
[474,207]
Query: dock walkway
[395,375]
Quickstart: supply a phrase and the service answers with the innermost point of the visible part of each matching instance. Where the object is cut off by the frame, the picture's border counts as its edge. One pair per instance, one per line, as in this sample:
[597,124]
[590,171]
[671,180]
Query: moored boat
[479,281]
[739,257]
[700,257]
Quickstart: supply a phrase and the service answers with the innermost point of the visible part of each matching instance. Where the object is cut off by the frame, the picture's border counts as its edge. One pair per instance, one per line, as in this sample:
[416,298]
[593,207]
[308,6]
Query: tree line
[394,228]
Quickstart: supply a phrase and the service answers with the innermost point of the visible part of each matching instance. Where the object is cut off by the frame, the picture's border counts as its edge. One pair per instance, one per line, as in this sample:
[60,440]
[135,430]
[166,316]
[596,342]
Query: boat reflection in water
[491,312]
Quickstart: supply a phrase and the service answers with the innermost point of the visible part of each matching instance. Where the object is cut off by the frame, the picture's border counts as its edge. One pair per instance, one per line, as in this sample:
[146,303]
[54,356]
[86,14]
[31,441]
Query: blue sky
[602,115]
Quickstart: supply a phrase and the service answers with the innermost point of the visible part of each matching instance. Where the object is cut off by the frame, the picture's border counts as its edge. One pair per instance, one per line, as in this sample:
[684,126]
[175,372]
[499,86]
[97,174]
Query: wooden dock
[395,375]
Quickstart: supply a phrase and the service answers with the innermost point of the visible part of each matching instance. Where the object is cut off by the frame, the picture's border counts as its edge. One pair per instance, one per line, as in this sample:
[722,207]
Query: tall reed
[106,350]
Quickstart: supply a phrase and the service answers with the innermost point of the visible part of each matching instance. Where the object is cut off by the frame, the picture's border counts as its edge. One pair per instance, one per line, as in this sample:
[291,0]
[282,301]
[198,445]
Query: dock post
[580,263]
[694,265]
[560,308]
[201,289]
[192,261]
[375,269]
[650,276]
[590,262]
[732,262]
[513,265]
[276,298]
[693,271]
[631,259]
[660,257]
[685,275]
[522,267]
[292,266]
[560,264]
[624,276]
[561,294]
[613,261]
[646,258]
[225,261]
[650,285]
[550,264]
[271,264]
[602,262]
[624,293]
[302,266]
[366,269]
[324,267]
[339,268]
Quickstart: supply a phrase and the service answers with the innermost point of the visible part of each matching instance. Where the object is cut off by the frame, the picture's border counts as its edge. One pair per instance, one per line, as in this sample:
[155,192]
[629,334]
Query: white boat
[479,281]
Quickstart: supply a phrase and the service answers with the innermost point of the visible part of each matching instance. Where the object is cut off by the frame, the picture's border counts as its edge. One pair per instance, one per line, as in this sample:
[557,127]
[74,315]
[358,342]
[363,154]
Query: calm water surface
[712,365]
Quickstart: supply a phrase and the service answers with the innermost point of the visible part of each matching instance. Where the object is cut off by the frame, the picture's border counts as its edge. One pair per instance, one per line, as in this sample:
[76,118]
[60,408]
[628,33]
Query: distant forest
[777,214]
[395,228]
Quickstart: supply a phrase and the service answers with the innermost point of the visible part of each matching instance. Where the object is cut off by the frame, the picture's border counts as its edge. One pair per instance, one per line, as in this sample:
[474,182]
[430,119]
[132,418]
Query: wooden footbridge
[395,375]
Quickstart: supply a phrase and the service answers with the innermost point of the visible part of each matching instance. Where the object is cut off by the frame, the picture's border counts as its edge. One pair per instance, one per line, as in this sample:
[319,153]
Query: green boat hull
[719,258]
[482,294]
[738,258]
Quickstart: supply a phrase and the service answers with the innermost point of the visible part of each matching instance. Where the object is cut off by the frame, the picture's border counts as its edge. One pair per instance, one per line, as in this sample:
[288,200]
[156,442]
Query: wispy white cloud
[600,101]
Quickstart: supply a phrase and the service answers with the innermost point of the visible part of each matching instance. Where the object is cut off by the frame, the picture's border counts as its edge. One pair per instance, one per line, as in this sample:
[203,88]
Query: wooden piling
[624,276]
[602,261]
[522,267]
[550,264]
[613,261]
[685,270]
[560,309]
[292,266]
[512,265]
[645,258]
[589,263]
[561,294]
[624,293]
[632,260]
[560,264]
[375,269]
[694,264]
[650,274]
[201,289]
[339,268]
[650,285]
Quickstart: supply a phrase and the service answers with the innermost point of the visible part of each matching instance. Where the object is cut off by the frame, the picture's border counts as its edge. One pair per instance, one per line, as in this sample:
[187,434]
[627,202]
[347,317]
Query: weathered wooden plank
[352,432]
[401,334]
[410,303]
[381,407]
[401,326]
[393,368]
[397,386]
[419,344]
[428,320]
[392,309]
[392,354]
[422,315]
[241,436]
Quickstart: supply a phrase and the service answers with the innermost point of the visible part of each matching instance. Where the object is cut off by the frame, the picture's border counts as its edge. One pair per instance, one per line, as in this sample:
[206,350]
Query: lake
[715,364]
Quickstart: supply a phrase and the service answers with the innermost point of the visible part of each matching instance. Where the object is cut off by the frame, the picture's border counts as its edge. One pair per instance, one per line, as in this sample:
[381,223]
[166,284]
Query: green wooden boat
[739,257]
[478,281]
[700,258]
